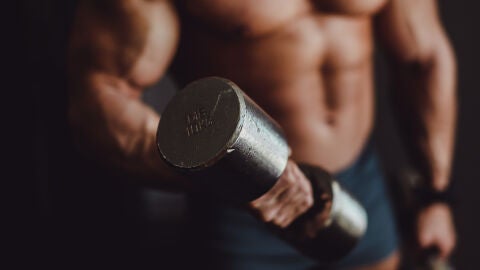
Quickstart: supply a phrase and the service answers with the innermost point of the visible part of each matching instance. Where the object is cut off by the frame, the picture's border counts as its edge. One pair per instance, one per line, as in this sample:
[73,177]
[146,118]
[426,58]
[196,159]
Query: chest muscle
[256,17]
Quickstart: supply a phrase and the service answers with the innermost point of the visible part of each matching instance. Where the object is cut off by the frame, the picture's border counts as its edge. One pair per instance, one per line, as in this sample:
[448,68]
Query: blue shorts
[229,238]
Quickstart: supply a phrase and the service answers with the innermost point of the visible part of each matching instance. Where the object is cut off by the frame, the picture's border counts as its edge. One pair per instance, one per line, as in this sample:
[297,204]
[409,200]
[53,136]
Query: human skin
[307,63]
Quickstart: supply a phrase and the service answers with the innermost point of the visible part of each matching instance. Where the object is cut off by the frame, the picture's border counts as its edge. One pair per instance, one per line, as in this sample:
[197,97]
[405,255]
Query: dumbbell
[232,149]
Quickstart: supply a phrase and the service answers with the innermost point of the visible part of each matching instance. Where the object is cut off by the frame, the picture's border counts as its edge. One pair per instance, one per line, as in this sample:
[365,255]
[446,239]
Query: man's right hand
[289,198]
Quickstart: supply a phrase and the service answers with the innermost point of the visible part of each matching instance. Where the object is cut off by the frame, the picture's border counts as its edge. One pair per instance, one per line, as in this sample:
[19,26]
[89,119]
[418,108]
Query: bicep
[131,40]
[410,29]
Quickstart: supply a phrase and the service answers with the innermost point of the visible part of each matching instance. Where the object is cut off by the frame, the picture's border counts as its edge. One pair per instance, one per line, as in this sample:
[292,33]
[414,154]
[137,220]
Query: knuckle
[298,212]
[290,180]
[302,207]
[259,204]
[285,224]
[266,216]
[277,221]
[305,208]
[254,204]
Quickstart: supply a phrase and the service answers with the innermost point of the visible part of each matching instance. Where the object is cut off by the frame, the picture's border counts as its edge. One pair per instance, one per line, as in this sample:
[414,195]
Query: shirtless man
[308,63]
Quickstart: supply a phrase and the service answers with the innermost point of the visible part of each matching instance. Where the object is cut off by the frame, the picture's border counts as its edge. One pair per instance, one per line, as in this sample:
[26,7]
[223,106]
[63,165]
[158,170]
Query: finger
[297,203]
[442,250]
[446,247]
[268,200]
[266,214]
[285,211]
[304,187]
[288,215]
[282,184]
[300,200]
[280,199]
[270,197]
[425,239]
[299,175]
[282,191]
[297,211]
[304,183]
[269,211]
[269,215]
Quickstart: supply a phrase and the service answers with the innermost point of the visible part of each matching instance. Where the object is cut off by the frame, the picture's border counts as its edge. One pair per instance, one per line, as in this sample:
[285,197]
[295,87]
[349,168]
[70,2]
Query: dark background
[68,206]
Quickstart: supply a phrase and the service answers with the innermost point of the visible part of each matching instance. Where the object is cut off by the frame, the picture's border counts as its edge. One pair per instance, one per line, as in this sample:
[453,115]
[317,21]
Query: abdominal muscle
[312,78]
[329,137]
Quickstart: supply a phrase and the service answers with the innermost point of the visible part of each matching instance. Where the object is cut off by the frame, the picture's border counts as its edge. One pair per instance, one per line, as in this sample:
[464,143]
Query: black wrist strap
[427,196]
[417,192]
[321,183]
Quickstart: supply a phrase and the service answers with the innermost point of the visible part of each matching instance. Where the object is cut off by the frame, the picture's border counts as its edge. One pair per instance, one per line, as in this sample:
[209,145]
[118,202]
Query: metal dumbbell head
[211,125]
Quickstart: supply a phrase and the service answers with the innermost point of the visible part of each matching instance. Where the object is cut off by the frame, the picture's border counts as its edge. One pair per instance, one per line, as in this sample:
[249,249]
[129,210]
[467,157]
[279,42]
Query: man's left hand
[435,228]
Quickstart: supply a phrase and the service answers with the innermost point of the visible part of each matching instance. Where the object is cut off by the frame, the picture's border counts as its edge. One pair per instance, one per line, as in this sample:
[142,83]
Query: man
[308,63]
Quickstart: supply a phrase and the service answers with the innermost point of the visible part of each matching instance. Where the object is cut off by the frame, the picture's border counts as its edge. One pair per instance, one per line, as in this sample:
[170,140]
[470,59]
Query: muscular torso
[308,64]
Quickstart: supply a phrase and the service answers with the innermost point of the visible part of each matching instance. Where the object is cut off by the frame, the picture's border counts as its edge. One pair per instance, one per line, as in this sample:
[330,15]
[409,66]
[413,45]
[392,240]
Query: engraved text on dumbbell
[197,121]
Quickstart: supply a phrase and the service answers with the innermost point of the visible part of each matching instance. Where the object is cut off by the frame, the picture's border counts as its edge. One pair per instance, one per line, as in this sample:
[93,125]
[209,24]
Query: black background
[51,211]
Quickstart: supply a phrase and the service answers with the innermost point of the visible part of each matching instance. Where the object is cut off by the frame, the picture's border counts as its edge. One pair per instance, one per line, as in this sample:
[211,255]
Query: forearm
[426,109]
[118,130]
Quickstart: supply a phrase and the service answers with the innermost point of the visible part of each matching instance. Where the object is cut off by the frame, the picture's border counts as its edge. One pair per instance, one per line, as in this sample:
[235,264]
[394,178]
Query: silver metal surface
[212,130]
[347,213]
[346,226]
